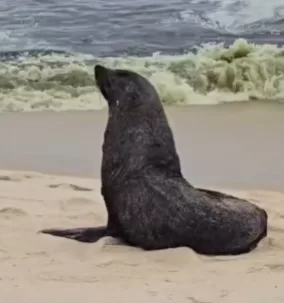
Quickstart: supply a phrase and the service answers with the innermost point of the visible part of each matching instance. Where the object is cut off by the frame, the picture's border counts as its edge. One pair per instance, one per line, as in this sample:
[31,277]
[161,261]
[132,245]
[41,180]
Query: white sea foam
[212,75]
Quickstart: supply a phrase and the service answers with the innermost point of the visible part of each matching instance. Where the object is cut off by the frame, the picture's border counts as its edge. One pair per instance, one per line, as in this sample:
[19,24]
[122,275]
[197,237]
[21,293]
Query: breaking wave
[39,80]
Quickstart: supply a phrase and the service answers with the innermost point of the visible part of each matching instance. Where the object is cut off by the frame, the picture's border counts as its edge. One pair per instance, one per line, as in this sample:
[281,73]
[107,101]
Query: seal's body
[149,202]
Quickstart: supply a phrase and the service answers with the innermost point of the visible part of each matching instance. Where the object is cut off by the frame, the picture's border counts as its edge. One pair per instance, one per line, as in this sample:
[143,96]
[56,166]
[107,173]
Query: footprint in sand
[11,212]
[76,204]
[278,267]
[70,186]
[16,177]
[10,178]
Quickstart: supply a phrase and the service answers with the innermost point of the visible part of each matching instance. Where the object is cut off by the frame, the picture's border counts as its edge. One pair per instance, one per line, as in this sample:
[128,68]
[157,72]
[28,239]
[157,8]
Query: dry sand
[41,268]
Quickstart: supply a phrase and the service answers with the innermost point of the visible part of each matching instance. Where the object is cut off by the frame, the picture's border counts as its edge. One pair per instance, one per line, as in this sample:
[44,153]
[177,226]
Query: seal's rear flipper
[84,234]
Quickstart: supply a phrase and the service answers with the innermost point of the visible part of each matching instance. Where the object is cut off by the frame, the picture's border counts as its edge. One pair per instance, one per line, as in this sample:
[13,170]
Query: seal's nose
[100,72]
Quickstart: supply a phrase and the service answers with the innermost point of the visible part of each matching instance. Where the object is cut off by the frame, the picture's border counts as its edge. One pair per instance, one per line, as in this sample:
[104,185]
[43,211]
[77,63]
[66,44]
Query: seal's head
[124,88]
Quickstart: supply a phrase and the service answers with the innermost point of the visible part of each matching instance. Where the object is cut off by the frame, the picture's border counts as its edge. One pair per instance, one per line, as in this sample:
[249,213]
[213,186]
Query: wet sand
[230,145]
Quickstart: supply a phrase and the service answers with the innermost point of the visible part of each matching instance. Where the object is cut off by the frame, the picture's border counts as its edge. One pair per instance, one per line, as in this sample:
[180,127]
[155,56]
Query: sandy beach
[50,178]
[42,268]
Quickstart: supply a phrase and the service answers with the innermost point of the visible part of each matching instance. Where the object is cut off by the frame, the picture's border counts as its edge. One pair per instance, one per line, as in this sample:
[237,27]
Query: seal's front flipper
[84,234]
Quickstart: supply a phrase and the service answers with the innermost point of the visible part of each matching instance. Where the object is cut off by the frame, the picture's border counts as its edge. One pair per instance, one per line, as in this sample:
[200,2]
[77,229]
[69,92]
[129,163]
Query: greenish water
[213,74]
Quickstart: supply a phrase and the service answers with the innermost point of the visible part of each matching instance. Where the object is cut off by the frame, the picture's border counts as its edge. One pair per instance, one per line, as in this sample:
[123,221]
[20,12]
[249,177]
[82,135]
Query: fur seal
[149,202]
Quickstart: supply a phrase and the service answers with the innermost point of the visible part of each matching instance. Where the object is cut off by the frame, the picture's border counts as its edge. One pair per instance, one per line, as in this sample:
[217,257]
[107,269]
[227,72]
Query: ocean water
[200,52]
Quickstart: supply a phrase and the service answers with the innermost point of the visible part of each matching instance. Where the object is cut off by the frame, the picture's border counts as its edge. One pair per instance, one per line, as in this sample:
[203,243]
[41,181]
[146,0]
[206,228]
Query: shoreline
[229,146]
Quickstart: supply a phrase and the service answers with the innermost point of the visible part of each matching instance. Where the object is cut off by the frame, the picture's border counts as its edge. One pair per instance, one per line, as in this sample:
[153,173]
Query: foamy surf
[211,75]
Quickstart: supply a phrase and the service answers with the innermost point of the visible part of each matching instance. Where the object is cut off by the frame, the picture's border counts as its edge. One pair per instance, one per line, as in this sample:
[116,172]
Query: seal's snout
[100,72]
[103,80]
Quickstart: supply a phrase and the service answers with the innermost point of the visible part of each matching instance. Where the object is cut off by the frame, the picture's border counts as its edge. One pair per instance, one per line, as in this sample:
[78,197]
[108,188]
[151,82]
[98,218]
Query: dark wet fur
[149,202]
